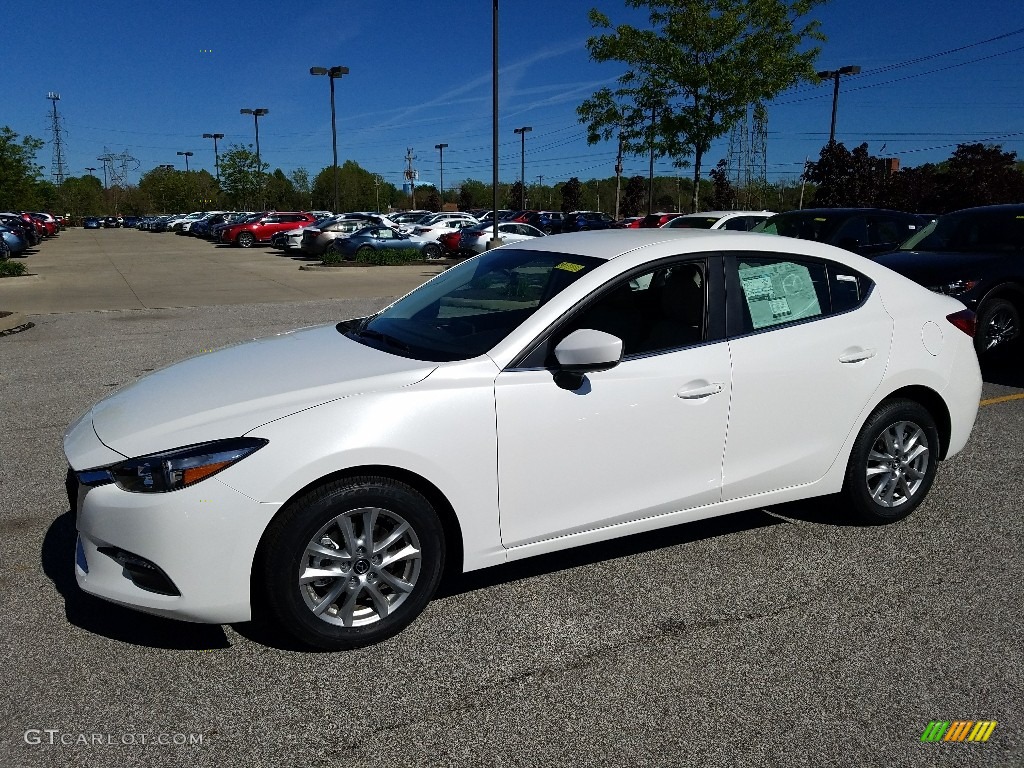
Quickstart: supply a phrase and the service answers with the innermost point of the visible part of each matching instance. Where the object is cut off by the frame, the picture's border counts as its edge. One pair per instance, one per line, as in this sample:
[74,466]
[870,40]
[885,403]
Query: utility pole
[618,177]
[440,148]
[650,183]
[58,168]
[410,176]
[522,165]
[540,183]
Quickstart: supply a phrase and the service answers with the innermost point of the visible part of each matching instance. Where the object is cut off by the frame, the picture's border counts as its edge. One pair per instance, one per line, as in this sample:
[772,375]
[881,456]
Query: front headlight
[176,469]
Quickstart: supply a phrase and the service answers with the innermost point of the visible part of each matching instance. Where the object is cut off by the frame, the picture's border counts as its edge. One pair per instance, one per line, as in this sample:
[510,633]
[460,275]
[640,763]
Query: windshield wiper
[366,333]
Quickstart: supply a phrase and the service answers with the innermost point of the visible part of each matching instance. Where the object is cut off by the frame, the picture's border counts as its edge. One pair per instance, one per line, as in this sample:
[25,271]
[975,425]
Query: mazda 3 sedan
[540,396]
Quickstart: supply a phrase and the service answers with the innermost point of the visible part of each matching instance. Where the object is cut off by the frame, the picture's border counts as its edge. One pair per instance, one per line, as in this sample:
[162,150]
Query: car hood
[232,391]
[934,267]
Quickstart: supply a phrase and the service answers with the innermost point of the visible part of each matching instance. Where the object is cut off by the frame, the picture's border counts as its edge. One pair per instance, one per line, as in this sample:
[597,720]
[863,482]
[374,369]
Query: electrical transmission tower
[411,175]
[747,161]
[58,166]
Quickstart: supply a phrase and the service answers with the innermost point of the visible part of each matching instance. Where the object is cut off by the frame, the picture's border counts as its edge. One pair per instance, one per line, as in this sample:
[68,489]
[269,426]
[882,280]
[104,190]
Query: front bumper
[202,540]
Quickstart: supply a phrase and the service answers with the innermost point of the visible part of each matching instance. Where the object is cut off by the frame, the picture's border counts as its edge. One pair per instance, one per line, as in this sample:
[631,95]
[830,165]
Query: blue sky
[150,78]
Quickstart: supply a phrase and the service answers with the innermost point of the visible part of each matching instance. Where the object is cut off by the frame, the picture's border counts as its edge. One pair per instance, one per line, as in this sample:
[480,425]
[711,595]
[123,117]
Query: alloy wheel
[897,464]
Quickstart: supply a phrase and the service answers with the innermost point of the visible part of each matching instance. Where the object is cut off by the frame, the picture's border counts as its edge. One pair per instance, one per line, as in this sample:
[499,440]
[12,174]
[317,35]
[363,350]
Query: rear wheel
[998,325]
[245,239]
[353,562]
[893,462]
[432,251]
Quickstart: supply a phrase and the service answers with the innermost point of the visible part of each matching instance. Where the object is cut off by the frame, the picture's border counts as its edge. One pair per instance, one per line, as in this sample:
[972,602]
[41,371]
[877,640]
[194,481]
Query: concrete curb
[12,322]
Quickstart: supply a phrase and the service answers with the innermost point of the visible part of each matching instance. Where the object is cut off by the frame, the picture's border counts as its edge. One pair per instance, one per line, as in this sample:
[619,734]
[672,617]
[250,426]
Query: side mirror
[584,351]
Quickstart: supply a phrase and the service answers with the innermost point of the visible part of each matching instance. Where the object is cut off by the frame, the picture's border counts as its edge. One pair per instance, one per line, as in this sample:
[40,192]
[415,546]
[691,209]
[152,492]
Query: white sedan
[475,239]
[544,395]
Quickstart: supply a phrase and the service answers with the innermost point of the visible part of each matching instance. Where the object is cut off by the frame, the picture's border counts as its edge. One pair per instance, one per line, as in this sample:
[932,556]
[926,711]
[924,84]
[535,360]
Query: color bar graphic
[958,730]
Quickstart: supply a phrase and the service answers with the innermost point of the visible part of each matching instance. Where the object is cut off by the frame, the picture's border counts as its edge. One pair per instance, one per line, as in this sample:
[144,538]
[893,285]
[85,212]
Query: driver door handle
[699,392]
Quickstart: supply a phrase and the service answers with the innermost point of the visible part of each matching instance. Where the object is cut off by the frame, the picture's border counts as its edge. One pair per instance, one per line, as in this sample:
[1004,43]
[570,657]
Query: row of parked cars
[22,230]
[976,255]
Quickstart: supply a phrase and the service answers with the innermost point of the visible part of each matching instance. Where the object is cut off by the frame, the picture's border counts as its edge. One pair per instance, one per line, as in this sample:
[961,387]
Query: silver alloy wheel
[897,464]
[360,567]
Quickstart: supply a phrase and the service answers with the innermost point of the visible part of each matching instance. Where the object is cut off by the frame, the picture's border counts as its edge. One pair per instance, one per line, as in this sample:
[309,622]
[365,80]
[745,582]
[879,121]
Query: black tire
[363,582]
[245,239]
[998,325]
[889,474]
[432,251]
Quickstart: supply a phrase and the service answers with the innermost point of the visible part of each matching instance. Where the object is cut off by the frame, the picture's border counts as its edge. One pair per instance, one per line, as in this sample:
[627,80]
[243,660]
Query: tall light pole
[333,73]
[90,170]
[187,155]
[522,164]
[256,115]
[216,155]
[834,75]
[440,148]
[494,242]
[163,185]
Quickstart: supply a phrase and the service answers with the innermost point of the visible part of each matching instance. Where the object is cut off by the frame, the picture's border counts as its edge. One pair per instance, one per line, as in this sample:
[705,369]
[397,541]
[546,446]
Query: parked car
[475,239]
[434,226]
[317,239]
[261,229]
[523,402]
[291,239]
[91,222]
[130,221]
[548,222]
[110,222]
[977,256]
[15,243]
[377,236]
[862,230]
[629,222]
[734,221]
[581,221]
[656,220]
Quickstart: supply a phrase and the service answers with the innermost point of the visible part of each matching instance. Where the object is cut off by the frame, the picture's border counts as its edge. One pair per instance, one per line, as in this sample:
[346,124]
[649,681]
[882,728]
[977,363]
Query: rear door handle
[857,355]
[699,392]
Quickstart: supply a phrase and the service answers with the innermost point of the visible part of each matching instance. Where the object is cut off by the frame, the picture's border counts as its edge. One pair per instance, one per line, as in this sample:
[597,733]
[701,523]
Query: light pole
[186,155]
[440,148]
[522,164]
[216,156]
[90,170]
[494,242]
[256,115]
[104,171]
[834,74]
[163,185]
[333,74]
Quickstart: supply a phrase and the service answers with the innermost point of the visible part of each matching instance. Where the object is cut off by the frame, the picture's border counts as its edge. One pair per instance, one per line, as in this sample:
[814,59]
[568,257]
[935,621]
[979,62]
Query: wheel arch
[931,401]
[450,525]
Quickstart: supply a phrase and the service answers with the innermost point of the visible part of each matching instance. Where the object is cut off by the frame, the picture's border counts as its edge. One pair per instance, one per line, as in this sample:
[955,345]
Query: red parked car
[652,220]
[262,229]
[450,242]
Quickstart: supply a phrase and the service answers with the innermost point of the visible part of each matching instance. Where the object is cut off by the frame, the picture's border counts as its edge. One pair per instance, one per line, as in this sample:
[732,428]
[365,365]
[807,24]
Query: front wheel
[432,251]
[998,325]
[245,240]
[893,462]
[353,562]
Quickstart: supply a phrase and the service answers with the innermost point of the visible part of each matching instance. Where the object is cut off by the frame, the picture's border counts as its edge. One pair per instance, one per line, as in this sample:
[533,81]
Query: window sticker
[569,266]
[778,293]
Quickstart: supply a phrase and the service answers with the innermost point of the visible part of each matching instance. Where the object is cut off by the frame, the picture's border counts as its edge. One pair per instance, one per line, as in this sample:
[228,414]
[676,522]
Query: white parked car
[475,239]
[543,395]
[734,221]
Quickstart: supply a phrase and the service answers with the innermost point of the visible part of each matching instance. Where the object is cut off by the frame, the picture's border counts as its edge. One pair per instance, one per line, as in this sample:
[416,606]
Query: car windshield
[816,226]
[693,222]
[992,230]
[471,307]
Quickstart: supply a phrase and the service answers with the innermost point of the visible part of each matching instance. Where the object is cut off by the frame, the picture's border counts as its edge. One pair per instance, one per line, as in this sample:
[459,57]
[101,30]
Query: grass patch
[10,268]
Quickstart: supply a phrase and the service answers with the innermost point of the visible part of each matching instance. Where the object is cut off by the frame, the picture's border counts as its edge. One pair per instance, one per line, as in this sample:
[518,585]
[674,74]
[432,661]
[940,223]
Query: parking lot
[783,636]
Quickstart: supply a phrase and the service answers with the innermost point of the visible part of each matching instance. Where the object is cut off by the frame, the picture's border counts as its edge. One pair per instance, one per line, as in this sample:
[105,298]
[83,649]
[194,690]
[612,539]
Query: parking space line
[1003,399]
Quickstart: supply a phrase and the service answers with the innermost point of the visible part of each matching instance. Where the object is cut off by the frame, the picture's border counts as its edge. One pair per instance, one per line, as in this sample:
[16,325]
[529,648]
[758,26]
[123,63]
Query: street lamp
[440,148]
[522,164]
[187,155]
[256,115]
[216,156]
[834,74]
[90,170]
[332,74]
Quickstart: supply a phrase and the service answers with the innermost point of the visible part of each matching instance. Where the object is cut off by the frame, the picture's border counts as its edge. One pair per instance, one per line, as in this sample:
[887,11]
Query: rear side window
[780,290]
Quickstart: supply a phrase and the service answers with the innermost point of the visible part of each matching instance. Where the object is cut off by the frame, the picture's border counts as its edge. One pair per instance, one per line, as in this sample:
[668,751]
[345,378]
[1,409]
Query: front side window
[652,312]
[471,307]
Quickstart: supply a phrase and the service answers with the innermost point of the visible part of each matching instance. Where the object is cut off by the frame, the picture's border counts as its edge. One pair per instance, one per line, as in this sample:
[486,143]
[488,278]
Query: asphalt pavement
[787,636]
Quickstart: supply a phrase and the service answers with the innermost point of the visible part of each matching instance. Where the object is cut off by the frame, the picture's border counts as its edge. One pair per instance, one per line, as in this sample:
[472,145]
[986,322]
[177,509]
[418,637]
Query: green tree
[242,178]
[474,194]
[723,194]
[572,195]
[634,199]
[19,174]
[693,74]
[280,192]
[303,189]
[83,196]
[514,196]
